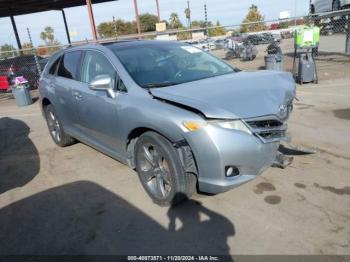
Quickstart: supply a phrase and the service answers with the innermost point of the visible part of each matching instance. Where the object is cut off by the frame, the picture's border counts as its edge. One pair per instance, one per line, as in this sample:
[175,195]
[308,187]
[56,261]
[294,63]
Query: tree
[174,21]
[8,50]
[49,38]
[107,29]
[42,50]
[27,48]
[188,16]
[199,24]
[48,35]
[217,31]
[148,22]
[256,18]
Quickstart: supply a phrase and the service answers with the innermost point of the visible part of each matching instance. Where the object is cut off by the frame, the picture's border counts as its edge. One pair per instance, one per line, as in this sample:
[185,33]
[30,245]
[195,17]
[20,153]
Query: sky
[228,12]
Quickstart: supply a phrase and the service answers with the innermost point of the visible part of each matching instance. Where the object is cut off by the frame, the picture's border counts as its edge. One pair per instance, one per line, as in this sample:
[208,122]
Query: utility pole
[295,12]
[206,19]
[34,52]
[115,27]
[188,14]
[137,17]
[158,12]
[206,26]
[347,44]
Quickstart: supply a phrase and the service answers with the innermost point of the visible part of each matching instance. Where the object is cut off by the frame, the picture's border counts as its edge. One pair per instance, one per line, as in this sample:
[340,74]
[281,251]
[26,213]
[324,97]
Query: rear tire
[160,170]
[56,129]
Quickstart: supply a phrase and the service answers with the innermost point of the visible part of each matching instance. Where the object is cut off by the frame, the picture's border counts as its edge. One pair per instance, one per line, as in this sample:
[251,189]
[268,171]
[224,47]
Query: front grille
[268,130]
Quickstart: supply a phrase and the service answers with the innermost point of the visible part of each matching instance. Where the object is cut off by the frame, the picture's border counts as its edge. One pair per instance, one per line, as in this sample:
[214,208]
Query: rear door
[96,110]
[65,81]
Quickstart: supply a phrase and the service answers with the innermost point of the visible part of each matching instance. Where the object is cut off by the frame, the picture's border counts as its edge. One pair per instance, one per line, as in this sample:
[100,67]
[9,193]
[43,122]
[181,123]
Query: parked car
[267,38]
[259,39]
[319,6]
[220,43]
[277,37]
[23,65]
[181,117]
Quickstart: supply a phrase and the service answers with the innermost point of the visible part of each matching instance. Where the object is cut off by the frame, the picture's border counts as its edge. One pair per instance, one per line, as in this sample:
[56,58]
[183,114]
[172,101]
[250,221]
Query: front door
[97,110]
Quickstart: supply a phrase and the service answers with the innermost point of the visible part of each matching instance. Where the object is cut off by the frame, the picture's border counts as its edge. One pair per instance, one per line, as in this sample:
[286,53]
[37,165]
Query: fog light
[231,171]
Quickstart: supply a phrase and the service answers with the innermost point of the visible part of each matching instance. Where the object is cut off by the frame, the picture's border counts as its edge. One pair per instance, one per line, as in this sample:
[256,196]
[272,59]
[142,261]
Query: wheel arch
[45,102]
[131,142]
[184,150]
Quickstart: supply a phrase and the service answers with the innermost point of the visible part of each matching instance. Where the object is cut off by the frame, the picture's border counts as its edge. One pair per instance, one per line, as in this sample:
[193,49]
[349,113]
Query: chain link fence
[244,46]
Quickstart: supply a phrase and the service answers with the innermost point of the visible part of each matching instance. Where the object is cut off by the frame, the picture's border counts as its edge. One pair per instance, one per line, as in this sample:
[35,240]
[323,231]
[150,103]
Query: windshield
[165,64]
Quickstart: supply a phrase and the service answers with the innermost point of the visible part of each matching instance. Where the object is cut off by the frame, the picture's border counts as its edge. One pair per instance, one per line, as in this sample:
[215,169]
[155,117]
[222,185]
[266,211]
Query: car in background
[205,45]
[25,66]
[220,43]
[184,119]
[320,6]
[259,39]
[277,37]
[267,38]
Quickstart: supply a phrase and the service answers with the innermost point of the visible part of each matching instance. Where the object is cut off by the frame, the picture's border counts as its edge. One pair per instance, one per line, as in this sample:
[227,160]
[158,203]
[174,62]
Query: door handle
[77,95]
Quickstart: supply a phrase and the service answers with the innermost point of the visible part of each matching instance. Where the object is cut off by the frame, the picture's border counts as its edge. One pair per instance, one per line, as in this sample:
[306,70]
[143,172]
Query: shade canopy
[22,7]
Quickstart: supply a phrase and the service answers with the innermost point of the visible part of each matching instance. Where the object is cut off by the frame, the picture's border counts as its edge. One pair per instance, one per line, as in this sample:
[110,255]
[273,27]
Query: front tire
[56,129]
[160,170]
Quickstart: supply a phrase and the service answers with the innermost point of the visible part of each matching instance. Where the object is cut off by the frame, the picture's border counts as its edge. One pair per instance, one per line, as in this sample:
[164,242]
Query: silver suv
[184,119]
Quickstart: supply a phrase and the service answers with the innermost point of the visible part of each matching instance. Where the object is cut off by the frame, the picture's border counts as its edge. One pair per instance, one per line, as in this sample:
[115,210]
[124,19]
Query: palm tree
[48,35]
[175,21]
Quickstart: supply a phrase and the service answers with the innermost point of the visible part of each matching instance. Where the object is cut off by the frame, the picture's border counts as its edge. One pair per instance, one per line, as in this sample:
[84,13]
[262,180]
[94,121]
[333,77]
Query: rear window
[69,65]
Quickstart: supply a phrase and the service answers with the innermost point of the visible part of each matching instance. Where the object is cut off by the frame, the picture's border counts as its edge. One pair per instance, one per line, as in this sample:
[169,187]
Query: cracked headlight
[234,125]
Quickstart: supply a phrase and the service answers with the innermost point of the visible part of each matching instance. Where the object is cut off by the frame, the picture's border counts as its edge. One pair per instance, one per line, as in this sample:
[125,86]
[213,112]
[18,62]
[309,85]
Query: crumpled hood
[234,96]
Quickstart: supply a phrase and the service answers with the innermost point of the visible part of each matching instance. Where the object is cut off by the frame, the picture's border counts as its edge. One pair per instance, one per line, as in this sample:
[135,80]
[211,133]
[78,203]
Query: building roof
[21,7]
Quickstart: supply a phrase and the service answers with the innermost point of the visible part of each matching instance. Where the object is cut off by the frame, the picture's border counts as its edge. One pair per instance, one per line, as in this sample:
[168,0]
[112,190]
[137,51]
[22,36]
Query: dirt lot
[76,200]
[331,62]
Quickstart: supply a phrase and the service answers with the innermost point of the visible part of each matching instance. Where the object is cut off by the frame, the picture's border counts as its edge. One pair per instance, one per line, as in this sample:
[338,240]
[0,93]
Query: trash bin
[274,62]
[22,96]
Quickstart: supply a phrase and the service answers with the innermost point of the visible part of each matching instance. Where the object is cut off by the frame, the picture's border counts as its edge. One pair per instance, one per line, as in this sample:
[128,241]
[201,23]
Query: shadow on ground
[85,218]
[19,158]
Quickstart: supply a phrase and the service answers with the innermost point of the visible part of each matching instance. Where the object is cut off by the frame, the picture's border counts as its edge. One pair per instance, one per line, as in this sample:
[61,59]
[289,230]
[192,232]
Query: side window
[121,86]
[95,66]
[53,68]
[69,65]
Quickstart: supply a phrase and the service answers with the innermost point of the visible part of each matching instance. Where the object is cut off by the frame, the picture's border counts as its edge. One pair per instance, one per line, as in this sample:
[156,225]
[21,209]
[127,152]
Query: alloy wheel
[154,170]
[54,126]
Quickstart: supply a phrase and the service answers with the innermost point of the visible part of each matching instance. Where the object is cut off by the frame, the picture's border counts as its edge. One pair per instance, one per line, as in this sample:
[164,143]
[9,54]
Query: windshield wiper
[160,84]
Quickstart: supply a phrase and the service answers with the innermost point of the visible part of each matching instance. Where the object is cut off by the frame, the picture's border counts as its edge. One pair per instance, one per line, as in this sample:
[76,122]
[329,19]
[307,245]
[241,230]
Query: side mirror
[103,83]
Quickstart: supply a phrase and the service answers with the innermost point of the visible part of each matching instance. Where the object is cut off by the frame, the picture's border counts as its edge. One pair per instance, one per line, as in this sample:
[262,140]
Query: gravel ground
[76,200]
[331,63]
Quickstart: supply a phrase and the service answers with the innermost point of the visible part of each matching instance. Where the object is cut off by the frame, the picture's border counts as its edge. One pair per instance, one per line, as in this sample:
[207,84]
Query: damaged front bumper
[216,149]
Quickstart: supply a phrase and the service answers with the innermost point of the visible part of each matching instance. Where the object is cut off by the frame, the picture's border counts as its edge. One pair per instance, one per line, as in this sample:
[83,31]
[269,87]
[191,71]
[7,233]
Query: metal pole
[137,17]
[158,12]
[115,27]
[295,12]
[189,17]
[19,45]
[92,21]
[347,44]
[206,19]
[66,26]
[206,25]
[34,52]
